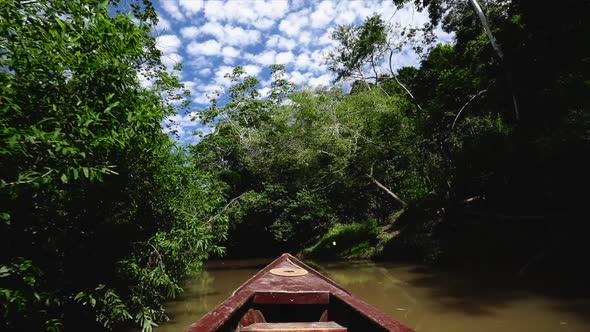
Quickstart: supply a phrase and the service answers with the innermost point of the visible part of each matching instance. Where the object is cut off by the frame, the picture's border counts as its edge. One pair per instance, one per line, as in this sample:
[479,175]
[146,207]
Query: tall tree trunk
[488,30]
[486,26]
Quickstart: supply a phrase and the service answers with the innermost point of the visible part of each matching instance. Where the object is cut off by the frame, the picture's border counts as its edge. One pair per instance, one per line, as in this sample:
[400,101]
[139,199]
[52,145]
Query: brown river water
[474,299]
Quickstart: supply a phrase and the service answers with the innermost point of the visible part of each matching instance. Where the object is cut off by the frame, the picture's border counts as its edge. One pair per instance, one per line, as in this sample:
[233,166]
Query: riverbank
[449,236]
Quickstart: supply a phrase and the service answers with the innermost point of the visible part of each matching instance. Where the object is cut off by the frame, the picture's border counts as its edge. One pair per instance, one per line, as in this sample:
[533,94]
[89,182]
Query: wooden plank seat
[294,327]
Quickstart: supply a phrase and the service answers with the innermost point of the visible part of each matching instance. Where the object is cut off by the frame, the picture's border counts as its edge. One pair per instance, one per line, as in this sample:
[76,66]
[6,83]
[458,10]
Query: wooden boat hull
[288,291]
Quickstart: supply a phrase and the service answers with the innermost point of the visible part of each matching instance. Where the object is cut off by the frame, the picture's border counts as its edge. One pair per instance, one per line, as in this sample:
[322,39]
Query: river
[474,299]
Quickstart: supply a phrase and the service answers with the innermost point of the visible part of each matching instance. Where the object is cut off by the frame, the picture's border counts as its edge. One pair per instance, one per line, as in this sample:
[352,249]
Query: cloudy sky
[211,37]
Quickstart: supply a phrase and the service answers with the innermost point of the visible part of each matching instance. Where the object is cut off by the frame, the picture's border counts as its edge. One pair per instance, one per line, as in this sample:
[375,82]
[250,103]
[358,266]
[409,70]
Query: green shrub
[356,240]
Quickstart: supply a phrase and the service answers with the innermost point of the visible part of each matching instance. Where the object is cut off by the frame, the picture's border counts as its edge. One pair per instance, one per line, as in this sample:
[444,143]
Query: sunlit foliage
[102,213]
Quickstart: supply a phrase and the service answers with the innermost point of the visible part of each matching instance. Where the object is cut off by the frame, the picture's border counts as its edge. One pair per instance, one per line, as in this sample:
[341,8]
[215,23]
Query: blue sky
[211,37]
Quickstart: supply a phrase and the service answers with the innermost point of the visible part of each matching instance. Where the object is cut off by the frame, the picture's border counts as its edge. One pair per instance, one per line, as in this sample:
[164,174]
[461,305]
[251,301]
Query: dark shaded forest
[480,154]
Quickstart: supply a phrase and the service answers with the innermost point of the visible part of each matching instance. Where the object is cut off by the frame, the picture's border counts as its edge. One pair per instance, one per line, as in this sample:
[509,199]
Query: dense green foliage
[101,213]
[296,168]
[481,133]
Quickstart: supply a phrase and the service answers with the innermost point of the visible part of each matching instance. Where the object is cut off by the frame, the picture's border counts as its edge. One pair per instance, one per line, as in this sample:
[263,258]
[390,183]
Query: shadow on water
[475,298]
[483,290]
[249,264]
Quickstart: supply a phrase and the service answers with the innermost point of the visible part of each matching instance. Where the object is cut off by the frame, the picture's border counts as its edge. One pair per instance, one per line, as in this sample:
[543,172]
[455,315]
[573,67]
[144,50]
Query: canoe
[288,295]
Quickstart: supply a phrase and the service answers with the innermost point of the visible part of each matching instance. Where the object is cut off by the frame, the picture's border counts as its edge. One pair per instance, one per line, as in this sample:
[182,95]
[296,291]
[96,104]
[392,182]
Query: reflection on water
[427,301]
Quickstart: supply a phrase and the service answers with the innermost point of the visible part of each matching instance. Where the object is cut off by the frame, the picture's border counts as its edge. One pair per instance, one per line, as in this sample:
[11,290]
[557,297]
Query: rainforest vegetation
[480,153]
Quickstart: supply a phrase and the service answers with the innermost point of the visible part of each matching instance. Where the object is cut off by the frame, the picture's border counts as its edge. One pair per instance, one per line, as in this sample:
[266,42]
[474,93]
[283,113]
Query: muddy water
[473,299]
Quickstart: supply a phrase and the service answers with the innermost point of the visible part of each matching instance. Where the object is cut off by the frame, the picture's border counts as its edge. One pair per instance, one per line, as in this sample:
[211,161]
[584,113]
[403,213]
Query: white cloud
[280,42]
[191,6]
[294,22]
[168,43]
[297,77]
[305,37]
[198,61]
[205,72]
[187,120]
[209,47]
[264,23]
[220,79]
[252,70]
[163,25]
[303,62]
[214,10]
[189,32]
[230,52]
[202,98]
[358,10]
[209,88]
[297,4]
[443,36]
[171,7]
[191,86]
[323,14]
[231,35]
[272,9]
[213,28]
[326,39]
[284,58]
[207,91]
[264,92]
[239,36]
[247,11]
[323,80]
[265,58]
[344,14]
[313,61]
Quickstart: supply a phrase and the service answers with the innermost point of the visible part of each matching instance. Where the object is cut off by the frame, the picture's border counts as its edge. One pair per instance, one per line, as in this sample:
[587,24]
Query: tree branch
[466,104]
[389,192]
[400,83]
[223,209]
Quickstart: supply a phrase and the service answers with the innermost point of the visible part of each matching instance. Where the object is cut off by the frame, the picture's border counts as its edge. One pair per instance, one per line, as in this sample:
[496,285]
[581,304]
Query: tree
[364,50]
[101,213]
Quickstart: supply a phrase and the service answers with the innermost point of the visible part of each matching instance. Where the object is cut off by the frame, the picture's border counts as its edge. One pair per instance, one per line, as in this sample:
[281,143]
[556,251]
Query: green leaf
[64,178]
[60,23]
[29,280]
[4,271]
[5,217]
[113,105]
[79,296]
